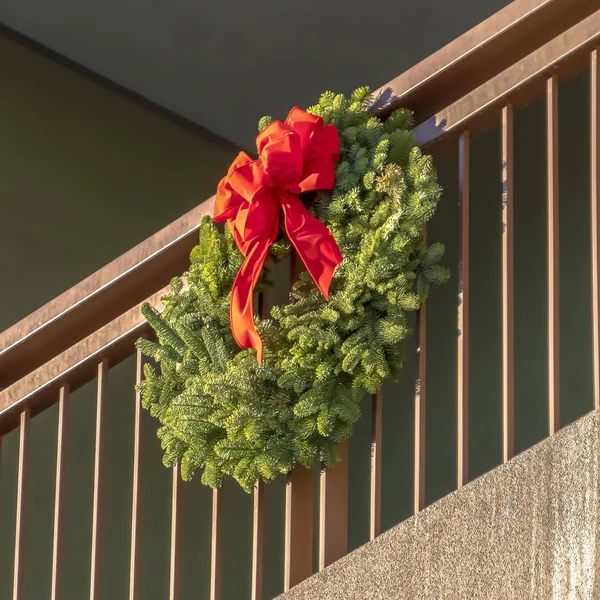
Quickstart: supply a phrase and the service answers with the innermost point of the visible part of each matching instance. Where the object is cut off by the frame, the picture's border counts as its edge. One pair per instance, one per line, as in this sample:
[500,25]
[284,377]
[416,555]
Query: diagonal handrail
[480,54]
[101,297]
[77,365]
[519,84]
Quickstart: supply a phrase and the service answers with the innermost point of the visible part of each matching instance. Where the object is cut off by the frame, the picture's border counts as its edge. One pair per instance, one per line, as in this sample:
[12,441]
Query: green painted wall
[84,176]
[184,168]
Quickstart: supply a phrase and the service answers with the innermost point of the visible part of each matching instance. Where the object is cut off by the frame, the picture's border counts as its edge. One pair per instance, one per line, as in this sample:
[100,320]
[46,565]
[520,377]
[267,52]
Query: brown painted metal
[508,350]
[175,551]
[216,546]
[376,456]
[333,513]
[595,217]
[480,54]
[298,527]
[463,311]
[61,459]
[298,543]
[258,508]
[518,85]
[257,541]
[76,366]
[97,513]
[553,257]
[21,518]
[100,298]
[136,497]
[420,407]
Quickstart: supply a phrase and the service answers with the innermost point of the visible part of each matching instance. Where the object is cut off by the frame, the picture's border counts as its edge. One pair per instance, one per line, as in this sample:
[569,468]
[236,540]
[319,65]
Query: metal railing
[457,94]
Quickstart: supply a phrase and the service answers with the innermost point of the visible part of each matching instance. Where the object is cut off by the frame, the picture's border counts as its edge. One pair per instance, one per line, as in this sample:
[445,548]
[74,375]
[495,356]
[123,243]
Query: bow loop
[280,152]
[298,155]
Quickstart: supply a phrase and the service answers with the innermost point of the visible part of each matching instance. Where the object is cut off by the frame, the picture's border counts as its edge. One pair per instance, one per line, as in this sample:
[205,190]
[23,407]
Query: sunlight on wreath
[249,398]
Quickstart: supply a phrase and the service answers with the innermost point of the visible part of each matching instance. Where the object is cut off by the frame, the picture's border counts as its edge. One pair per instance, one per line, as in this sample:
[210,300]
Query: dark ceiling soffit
[107,83]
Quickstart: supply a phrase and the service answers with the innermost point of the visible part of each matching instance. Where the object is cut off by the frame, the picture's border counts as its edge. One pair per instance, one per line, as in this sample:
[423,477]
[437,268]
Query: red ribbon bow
[296,156]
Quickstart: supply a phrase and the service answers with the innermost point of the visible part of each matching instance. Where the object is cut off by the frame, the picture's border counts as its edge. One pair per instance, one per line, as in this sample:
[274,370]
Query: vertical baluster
[463,311]
[420,404]
[508,382]
[216,545]
[0,459]
[298,527]
[258,509]
[257,540]
[61,458]
[298,545]
[376,449]
[98,481]
[174,561]
[136,497]
[333,513]
[595,219]
[553,257]
[23,474]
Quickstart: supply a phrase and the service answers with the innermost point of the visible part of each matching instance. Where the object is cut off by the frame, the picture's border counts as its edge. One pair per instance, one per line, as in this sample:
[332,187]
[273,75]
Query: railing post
[376,455]
[216,544]
[508,375]
[298,527]
[258,507]
[420,405]
[21,519]
[61,460]
[595,217]
[97,529]
[553,256]
[136,496]
[175,560]
[333,513]
[298,556]
[257,540]
[463,310]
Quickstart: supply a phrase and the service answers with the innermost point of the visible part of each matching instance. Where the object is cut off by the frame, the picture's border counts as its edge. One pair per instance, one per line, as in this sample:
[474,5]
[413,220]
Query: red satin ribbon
[296,156]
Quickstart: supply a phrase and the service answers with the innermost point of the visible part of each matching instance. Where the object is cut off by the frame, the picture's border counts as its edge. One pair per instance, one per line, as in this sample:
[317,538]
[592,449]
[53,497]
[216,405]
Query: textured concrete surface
[526,530]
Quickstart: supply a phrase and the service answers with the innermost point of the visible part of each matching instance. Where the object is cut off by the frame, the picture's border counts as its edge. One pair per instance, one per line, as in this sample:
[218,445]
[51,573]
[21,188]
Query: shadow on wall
[84,175]
[226,64]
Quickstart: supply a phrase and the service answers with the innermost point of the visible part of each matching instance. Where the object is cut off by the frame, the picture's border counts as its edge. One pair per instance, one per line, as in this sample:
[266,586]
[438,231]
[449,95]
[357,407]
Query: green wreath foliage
[225,413]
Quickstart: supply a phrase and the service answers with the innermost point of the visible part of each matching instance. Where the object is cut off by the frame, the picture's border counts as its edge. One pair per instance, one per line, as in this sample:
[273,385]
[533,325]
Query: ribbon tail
[242,297]
[312,240]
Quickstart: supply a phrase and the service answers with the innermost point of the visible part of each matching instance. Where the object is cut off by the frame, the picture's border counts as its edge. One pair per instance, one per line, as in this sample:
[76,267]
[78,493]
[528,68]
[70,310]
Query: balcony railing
[480,81]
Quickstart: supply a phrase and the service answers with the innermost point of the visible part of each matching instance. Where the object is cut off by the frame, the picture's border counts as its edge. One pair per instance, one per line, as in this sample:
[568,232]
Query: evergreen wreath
[230,415]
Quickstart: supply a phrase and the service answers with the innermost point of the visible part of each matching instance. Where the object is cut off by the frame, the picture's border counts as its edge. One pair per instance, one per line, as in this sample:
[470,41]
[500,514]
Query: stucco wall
[527,530]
